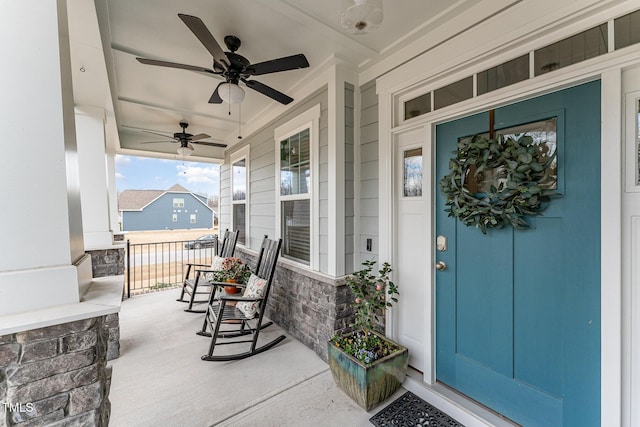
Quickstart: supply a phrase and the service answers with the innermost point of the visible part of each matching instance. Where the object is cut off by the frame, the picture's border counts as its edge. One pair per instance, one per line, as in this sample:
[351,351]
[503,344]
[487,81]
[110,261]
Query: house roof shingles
[137,199]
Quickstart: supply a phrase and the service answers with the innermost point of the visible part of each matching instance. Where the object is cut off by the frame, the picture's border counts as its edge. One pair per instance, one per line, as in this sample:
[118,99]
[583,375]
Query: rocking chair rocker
[194,286]
[244,313]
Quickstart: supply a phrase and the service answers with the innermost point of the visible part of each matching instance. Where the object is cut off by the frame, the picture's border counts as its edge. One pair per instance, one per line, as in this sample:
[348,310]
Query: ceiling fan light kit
[231,93]
[185,151]
[361,16]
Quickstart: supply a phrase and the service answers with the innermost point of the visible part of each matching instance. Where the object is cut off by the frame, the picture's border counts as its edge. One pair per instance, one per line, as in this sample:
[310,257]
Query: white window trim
[631,141]
[241,154]
[310,119]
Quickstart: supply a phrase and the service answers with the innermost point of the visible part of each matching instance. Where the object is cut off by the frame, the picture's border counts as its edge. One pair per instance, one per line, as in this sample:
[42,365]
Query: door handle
[441,266]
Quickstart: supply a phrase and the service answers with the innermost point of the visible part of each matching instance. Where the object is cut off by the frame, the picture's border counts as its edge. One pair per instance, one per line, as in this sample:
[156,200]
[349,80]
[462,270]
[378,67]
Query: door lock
[441,266]
[441,243]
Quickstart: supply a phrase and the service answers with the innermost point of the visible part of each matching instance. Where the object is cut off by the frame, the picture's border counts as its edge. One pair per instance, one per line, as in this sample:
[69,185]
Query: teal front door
[518,311]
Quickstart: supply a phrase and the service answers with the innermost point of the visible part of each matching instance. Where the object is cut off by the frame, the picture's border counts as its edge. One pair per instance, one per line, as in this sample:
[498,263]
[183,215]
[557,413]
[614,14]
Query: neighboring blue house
[175,208]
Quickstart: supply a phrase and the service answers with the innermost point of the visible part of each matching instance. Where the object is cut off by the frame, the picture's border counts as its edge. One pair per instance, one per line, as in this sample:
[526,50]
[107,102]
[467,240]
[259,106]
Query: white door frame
[425,200]
[609,71]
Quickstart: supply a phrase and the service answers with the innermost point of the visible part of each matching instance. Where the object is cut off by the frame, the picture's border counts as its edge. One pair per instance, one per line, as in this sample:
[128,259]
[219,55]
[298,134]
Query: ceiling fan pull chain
[239,121]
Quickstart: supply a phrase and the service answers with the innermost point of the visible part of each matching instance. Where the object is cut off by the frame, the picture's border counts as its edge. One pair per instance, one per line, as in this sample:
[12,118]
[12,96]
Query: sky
[144,173]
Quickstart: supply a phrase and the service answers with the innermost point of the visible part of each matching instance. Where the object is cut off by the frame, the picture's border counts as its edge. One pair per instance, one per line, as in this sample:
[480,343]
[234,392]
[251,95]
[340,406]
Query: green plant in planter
[365,364]
[371,303]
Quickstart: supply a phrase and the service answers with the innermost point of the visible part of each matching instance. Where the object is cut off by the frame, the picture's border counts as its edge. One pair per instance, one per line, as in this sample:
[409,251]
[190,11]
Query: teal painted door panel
[518,311]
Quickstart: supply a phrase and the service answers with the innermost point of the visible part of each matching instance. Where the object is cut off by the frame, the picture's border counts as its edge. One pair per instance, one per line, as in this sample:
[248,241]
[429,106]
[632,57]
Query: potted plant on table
[365,364]
[233,271]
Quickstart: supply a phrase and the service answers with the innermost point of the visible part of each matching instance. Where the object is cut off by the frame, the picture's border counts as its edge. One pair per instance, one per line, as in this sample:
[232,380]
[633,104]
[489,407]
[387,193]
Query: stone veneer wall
[107,262]
[112,328]
[104,263]
[57,375]
[309,306]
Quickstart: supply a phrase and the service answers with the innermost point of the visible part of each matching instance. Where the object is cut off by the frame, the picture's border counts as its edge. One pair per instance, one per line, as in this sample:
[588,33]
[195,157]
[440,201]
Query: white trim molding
[310,119]
[242,154]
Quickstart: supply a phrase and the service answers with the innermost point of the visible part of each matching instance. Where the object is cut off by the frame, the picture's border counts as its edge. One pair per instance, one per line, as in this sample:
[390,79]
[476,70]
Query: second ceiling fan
[233,67]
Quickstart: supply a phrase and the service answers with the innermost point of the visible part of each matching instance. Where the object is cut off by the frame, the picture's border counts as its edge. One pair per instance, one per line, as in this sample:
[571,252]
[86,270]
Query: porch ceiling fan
[185,139]
[233,67]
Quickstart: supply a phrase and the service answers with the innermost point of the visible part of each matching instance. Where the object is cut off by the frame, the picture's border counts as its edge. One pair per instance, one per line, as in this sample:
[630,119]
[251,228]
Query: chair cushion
[255,289]
[216,265]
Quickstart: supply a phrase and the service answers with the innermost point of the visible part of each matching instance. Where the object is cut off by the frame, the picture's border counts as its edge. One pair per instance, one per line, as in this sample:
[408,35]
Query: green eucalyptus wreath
[519,170]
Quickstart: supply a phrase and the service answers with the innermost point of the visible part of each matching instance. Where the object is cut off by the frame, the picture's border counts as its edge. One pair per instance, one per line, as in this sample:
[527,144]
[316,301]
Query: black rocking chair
[193,286]
[225,309]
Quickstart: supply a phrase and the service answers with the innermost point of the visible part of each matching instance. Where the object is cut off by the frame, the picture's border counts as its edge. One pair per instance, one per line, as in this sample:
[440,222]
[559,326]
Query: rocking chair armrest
[196,264]
[237,285]
[204,270]
[240,298]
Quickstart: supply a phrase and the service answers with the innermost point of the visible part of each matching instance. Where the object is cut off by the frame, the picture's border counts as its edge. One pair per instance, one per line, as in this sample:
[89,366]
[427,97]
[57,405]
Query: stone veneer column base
[107,262]
[112,326]
[308,305]
[57,375]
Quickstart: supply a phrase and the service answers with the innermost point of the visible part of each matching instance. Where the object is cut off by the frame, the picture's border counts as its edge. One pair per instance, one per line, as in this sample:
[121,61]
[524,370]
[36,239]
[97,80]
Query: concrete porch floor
[159,379]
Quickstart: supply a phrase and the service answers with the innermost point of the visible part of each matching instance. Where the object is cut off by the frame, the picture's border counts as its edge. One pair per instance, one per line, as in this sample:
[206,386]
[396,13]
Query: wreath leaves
[518,170]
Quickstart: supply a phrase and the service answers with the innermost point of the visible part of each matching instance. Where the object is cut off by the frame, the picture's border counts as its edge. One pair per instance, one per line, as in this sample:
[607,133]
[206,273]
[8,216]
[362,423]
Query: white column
[611,254]
[338,76]
[94,185]
[41,245]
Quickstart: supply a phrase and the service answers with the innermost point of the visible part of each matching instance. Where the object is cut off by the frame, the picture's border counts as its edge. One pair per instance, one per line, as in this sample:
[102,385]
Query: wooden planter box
[368,385]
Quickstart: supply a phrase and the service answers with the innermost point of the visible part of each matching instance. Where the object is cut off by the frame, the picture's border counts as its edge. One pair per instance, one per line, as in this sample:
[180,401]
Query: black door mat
[410,410]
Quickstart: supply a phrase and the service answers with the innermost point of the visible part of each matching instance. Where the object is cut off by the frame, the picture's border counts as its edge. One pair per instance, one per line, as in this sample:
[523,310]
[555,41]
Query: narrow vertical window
[239,198]
[412,174]
[638,142]
[174,218]
[295,186]
[192,219]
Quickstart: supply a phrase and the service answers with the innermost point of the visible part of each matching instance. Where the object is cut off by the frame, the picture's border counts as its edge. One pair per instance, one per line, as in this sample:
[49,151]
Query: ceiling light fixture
[185,151]
[231,93]
[361,16]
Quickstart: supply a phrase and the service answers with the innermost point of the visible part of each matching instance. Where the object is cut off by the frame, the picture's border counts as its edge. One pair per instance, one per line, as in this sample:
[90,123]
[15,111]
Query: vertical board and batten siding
[349,184]
[368,171]
[261,178]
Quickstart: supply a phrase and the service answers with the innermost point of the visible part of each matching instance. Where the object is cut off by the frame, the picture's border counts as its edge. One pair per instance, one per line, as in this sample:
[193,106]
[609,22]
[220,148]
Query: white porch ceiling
[155,99]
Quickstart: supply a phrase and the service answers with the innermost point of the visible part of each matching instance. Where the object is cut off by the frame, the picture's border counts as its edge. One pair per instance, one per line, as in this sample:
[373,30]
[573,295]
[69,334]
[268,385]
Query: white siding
[349,178]
[261,183]
[368,170]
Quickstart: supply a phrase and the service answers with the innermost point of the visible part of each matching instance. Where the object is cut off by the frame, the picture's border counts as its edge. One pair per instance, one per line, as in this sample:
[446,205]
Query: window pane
[296,230]
[455,92]
[638,142]
[412,181]
[627,30]
[239,180]
[503,75]
[295,173]
[239,221]
[304,146]
[417,106]
[544,134]
[582,46]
